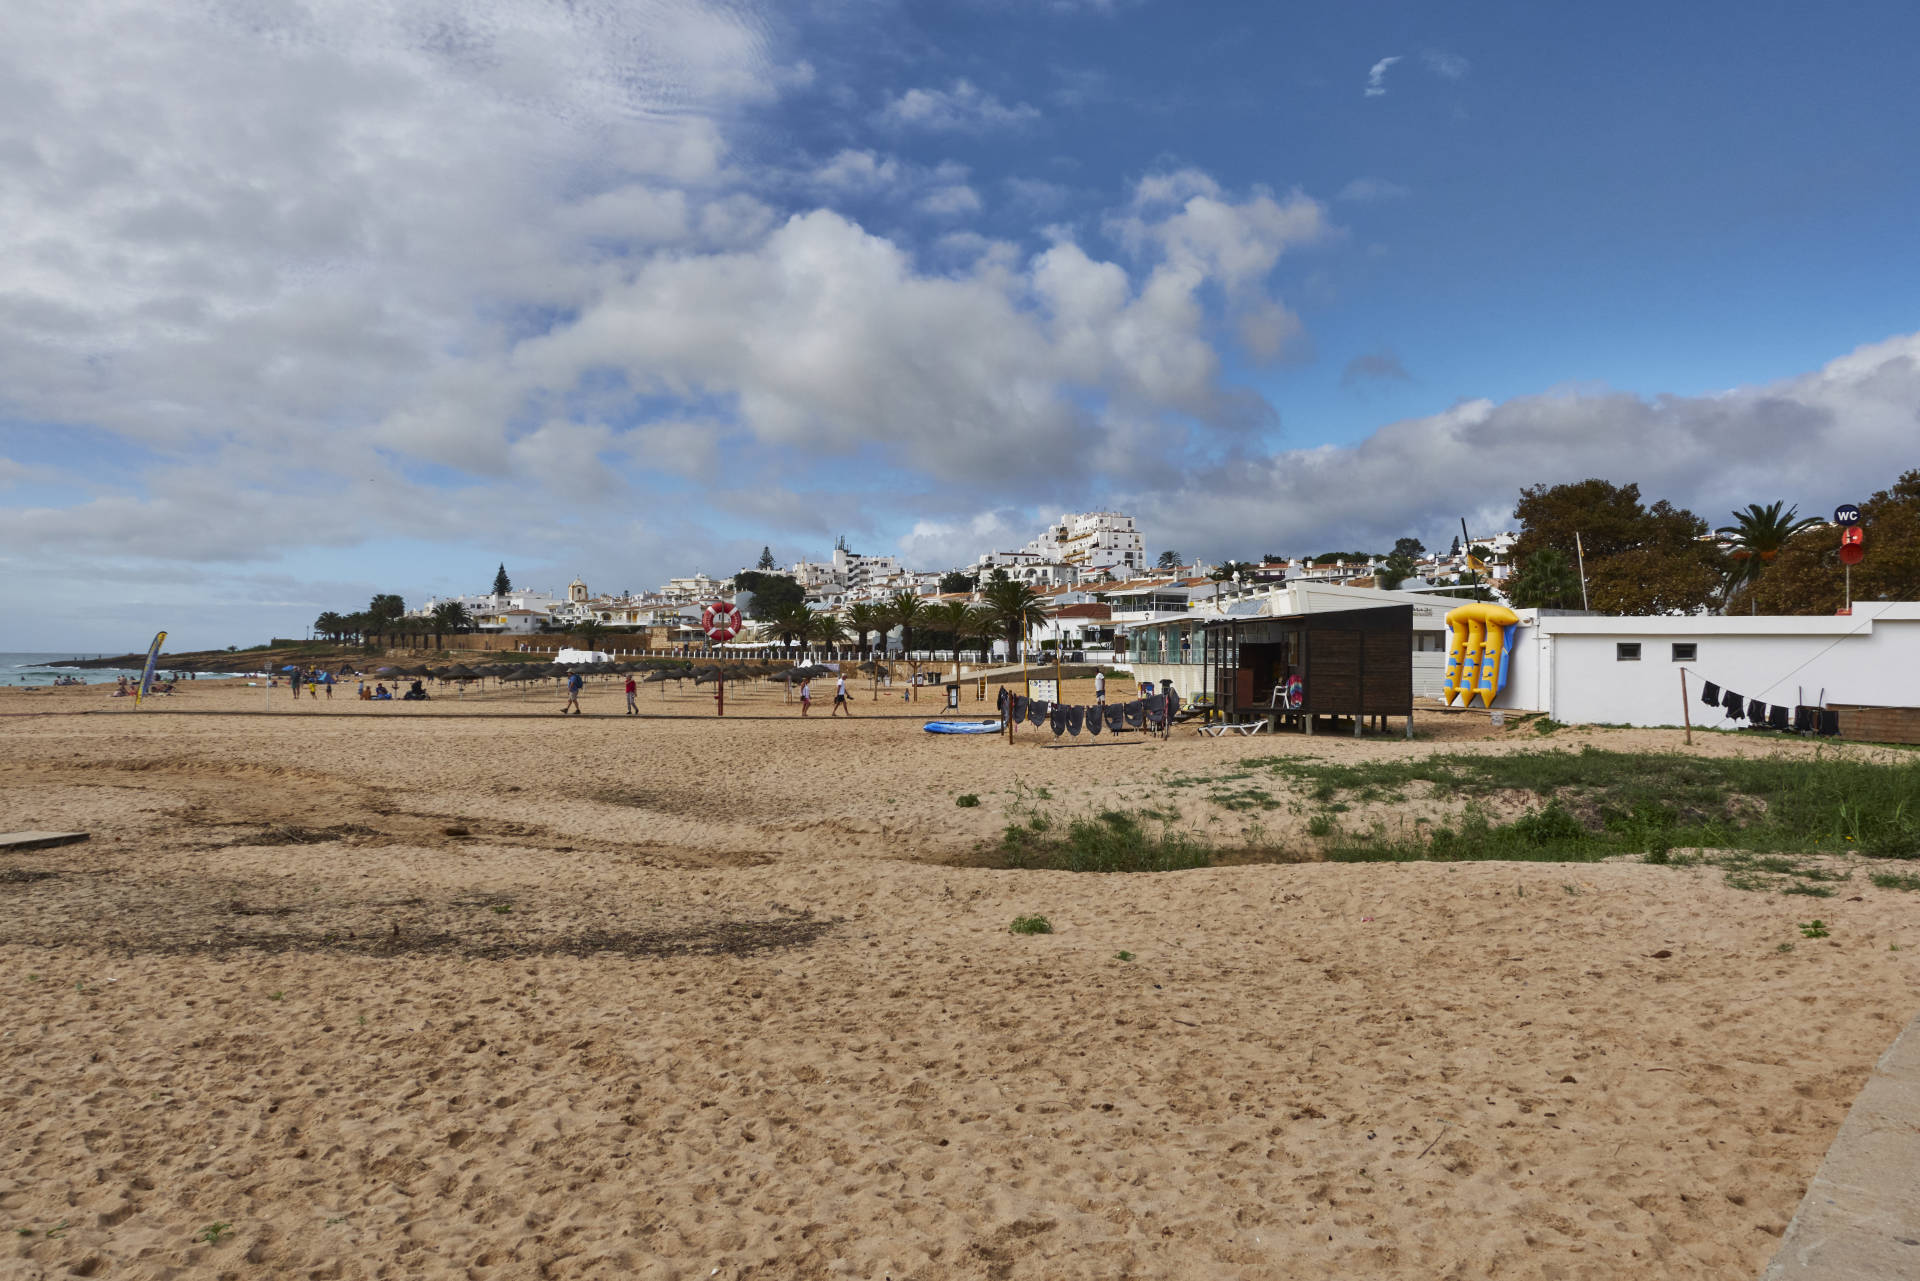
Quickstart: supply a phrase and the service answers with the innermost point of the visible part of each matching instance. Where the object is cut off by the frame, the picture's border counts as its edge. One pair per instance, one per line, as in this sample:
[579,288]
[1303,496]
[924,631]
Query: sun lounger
[1242,728]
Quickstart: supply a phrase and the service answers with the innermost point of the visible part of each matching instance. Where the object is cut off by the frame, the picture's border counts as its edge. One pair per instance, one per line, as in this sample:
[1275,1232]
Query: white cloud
[1827,436]
[1448,65]
[951,200]
[858,171]
[1370,190]
[1377,76]
[962,106]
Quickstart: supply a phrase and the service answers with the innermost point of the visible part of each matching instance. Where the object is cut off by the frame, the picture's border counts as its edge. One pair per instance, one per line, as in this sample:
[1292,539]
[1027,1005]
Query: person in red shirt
[633,708]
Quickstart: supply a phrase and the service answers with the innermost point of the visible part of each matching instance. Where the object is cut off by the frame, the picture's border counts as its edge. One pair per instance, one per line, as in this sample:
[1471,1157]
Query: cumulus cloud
[1377,76]
[951,200]
[852,170]
[961,106]
[1843,430]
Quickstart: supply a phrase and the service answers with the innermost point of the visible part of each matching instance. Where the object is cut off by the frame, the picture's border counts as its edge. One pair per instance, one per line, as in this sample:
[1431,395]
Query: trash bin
[953,696]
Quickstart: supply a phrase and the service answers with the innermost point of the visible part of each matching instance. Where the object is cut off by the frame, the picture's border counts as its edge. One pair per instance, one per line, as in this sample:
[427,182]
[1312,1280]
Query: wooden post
[1686,712]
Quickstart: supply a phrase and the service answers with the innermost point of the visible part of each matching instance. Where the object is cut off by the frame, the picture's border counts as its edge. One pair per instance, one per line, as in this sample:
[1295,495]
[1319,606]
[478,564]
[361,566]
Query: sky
[304,301]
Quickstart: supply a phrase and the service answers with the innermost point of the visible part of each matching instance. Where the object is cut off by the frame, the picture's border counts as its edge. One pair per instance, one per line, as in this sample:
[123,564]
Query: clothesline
[1804,718]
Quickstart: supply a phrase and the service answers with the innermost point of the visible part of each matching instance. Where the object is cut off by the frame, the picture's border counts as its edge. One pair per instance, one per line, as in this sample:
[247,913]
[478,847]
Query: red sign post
[722,622]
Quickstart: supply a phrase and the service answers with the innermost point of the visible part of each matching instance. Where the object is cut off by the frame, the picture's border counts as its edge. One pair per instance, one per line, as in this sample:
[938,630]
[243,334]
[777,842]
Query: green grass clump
[1595,804]
[1895,881]
[1814,929]
[1030,925]
[966,800]
[1111,841]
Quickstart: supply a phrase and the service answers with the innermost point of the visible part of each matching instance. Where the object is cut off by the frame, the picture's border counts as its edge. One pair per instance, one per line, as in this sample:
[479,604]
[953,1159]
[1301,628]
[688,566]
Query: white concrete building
[1587,669]
[1092,541]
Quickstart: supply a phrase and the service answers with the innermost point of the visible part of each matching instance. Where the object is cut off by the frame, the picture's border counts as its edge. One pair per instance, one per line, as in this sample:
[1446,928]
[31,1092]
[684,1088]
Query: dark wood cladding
[1352,662]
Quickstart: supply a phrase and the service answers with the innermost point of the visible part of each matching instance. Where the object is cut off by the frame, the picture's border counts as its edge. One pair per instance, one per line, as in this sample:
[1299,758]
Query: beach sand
[464,989]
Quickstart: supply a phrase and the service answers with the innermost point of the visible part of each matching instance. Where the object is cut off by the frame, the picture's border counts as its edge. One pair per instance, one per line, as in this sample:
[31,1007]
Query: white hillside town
[1231,635]
[1091,571]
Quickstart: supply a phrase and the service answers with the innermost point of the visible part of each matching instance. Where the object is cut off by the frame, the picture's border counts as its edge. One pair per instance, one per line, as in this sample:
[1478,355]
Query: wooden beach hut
[1339,665]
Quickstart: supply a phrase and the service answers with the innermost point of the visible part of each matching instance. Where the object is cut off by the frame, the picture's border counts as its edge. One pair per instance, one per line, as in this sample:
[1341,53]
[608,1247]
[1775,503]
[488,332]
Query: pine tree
[501,583]
[766,559]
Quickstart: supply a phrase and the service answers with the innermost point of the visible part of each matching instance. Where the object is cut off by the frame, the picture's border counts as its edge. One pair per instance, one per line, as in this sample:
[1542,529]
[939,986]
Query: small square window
[1627,652]
[1685,652]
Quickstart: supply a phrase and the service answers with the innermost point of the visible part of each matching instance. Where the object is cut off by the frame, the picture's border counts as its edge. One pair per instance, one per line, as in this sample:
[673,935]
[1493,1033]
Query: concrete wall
[1188,678]
[1568,666]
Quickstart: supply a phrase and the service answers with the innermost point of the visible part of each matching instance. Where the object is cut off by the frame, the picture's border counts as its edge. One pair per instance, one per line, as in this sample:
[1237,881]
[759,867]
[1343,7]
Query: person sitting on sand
[806,695]
[382,693]
[416,693]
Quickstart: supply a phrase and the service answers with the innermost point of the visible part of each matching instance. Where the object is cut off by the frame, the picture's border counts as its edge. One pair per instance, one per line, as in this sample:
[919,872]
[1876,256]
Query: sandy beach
[464,989]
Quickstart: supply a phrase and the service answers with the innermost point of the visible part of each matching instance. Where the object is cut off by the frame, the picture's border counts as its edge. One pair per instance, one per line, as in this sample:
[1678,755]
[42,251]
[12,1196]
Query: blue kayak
[963,727]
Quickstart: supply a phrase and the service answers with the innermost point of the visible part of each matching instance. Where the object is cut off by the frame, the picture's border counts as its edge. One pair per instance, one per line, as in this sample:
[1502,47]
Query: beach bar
[1301,670]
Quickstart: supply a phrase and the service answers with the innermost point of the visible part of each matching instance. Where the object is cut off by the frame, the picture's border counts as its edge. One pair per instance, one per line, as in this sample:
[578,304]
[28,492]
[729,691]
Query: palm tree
[865,618]
[951,618]
[984,627]
[1015,607]
[907,611]
[330,625]
[451,616]
[824,628]
[1756,537]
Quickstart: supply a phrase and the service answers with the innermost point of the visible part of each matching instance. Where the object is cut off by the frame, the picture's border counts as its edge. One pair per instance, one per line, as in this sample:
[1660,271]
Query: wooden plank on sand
[39,840]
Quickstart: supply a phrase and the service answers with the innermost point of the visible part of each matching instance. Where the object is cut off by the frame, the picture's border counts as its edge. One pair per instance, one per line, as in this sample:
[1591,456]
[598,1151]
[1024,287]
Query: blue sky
[357,297]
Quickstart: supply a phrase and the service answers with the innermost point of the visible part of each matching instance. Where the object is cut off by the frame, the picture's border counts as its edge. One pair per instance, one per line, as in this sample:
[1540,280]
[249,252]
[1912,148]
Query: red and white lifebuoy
[721,620]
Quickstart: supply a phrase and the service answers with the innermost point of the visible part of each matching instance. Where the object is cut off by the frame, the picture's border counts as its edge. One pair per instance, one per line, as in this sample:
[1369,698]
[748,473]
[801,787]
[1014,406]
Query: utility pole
[1581,552]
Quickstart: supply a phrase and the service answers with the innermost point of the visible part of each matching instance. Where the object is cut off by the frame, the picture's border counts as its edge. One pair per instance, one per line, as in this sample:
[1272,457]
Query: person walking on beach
[573,695]
[326,678]
[806,695]
[633,693]
[840,701]
[1100,687]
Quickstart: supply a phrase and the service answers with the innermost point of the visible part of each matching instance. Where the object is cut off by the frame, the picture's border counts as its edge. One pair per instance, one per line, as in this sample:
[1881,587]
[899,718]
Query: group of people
[841,703]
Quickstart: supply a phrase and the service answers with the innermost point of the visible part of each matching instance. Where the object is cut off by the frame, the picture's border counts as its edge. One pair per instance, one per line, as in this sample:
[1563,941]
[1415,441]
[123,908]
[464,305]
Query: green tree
[1640,559]
[983,626]
[825,629]
[906,611]
[1546,581]
[773,594]
[865,618]
[330,625]
[1808,577]
[1395,570]
[1015,608]
[1756,538]
[1228,568]
[1411,548]
[451,616]
[384,612]
[766,560]
[589,632]
[954,581]
[501,583]
[1169,559]
[950,618]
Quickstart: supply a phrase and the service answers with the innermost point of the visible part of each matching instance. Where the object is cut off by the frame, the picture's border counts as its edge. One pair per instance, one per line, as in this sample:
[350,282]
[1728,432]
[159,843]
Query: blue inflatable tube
[963,727]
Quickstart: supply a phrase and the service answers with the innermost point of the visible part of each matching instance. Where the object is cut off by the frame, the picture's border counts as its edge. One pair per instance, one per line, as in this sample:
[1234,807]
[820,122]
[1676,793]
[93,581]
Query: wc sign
[1846,514]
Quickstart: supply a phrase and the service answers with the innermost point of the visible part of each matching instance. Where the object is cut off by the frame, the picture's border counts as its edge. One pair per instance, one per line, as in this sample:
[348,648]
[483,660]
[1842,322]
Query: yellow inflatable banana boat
[1478,649]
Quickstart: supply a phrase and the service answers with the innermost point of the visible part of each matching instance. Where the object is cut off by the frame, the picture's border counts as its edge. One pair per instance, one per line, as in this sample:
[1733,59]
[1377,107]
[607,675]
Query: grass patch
[1030,925]
[1595,804]
[966,800]
[1111,841]
[1814,929]
[1895,881]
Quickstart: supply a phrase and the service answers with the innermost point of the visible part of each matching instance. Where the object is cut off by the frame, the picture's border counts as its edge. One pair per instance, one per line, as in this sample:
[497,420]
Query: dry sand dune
[503,995]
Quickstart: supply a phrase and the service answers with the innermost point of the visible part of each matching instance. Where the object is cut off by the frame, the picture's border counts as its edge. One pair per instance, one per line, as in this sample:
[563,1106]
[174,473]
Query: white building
[1090,542]
[1588,669]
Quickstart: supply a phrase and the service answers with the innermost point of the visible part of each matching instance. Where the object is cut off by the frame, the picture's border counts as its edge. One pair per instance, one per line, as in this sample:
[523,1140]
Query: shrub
[1031,925]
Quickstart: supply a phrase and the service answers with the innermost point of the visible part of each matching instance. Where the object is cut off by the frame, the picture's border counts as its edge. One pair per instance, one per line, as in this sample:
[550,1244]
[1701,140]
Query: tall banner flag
[146,673]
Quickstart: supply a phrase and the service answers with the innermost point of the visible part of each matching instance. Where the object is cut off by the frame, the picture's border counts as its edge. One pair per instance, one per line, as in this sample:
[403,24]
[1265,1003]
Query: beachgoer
[1099,687]
[633,693]
[573,695]
[806,695]
[840,700]
[313,686]
[326,678]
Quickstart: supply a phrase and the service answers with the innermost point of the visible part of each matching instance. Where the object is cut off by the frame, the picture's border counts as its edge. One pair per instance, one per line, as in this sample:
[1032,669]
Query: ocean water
[44,669]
